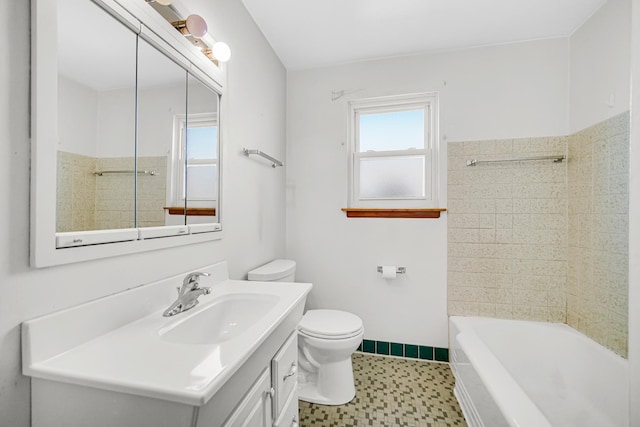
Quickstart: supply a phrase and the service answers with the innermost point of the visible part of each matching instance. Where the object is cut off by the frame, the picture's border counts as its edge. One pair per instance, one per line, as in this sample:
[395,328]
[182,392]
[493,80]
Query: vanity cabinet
[254,410]
[284,378]
[117,362]
[289,416]
[272,401]
[262,393]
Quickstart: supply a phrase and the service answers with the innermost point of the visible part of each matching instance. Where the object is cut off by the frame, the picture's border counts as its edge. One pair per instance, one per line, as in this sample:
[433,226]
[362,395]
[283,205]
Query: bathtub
[535,374]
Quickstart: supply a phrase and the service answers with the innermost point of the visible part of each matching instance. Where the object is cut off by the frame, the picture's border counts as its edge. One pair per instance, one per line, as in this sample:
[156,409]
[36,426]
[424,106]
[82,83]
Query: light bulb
[196,26]
[164,2]
[221,51]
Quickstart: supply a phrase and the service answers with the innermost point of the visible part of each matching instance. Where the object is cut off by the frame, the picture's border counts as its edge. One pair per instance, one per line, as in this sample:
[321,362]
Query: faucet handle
[197,274]
[192,279]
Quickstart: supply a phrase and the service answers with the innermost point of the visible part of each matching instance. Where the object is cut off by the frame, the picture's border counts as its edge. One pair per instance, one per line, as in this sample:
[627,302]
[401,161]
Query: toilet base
[332,384]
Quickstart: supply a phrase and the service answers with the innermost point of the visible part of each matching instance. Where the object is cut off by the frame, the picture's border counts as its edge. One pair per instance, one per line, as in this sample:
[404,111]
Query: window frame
[428,102]
[179,157]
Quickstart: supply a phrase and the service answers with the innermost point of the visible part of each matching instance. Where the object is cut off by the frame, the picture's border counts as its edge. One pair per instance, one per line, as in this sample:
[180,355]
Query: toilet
[326,341]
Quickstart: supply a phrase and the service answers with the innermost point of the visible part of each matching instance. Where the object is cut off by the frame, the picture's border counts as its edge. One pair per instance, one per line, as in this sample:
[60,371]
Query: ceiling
[308,34]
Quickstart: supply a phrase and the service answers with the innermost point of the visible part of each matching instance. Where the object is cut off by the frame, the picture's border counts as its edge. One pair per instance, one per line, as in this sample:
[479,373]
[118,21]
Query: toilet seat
[330,324]
[330,337]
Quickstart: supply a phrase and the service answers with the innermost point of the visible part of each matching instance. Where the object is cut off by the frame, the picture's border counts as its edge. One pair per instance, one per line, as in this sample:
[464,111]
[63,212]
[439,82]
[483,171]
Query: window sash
[393,153]
[395,201]
[194,198]
[425,107]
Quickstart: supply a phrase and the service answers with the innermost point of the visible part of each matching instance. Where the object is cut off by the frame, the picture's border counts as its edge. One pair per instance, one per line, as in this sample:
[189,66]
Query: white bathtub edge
[514,403]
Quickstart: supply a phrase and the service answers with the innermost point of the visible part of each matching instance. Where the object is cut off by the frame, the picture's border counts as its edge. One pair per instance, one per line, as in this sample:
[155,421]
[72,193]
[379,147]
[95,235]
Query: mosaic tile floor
[392,392]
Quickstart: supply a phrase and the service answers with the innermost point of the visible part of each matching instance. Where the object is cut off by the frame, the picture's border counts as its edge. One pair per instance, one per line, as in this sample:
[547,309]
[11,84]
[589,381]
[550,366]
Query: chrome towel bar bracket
[274,162]
[399,270]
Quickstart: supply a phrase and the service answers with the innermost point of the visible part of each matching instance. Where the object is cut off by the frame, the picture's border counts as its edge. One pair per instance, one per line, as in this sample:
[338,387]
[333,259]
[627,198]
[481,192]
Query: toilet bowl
[326,341]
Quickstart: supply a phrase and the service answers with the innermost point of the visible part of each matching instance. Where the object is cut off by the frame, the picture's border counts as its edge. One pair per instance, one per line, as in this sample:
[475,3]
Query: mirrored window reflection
[162,103]
[96,119]
[202,160]
[200,170]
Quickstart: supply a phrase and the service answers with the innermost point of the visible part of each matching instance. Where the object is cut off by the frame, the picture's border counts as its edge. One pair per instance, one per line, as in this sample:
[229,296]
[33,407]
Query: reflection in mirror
[192,190]
[96,119]
[202,149]
[162,97]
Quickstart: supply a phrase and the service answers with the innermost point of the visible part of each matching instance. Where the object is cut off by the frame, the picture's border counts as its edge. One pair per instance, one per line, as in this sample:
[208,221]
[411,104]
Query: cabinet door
[284,373]
[255,409]
[289,415]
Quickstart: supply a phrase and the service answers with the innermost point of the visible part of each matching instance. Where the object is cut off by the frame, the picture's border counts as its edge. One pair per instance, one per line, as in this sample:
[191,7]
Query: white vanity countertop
[138,359]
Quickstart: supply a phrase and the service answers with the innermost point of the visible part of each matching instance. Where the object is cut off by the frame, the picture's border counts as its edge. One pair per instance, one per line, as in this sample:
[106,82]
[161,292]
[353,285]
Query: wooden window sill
[393,213]
[179,210]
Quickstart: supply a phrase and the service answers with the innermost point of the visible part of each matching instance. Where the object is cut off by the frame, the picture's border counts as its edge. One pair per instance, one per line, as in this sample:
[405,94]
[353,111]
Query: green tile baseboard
[410,351]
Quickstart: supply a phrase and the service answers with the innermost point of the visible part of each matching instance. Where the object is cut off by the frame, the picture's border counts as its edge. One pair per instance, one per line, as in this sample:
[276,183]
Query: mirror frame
[150,26]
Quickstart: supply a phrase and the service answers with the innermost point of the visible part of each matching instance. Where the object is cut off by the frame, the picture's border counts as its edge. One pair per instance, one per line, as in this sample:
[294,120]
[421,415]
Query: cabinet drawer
[289,415]
[284,373]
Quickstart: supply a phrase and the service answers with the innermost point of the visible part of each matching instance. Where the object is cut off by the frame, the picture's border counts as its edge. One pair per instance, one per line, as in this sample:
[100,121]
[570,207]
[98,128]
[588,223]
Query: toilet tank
[278,270]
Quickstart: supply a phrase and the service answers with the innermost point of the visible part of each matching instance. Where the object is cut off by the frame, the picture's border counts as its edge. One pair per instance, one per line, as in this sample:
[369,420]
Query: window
[198,176]
[393,152]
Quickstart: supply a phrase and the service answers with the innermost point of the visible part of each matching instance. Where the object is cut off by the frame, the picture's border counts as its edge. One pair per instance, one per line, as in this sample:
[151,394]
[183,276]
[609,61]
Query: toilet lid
[276,269]
[330,323]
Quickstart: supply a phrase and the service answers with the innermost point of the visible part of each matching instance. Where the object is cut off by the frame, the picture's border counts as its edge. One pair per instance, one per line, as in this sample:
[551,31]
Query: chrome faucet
[188,294]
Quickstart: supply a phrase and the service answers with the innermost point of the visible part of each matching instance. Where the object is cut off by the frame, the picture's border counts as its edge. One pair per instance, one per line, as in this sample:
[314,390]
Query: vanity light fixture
[219,52]
[194,28]
[194,25]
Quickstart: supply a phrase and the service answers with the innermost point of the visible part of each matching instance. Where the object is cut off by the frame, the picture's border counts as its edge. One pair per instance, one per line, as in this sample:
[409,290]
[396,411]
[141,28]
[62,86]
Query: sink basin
[223,319]
[122,343]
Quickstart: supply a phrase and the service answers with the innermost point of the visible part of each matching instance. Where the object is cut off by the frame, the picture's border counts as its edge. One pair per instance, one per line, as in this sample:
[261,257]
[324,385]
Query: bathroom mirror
[162,99]
[96,120]
[112,126]
[202,153]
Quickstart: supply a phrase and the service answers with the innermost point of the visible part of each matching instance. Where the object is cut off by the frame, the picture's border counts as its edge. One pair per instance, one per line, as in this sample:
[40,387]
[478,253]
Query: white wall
[253,192]
[507,91]
[157,108]
[78,119]
[599,66]
[117,123]
[604,60]
[634,225]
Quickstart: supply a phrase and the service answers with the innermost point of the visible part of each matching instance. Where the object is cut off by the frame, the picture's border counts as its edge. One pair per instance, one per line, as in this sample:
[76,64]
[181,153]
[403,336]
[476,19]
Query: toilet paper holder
[399,270]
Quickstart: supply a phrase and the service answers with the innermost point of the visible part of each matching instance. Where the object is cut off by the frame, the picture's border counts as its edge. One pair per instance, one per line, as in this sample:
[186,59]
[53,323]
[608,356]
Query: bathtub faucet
[188,294]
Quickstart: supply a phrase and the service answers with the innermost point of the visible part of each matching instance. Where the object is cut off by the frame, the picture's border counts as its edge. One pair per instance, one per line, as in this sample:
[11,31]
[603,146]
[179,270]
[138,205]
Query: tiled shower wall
[89,202]
[152,194]
[76,192]
[541,240]
[507,232]
[114,194]
[598,256]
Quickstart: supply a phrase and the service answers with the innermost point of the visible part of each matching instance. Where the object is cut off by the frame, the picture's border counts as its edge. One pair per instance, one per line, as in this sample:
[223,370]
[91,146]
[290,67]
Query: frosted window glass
[201,142]
[398,130]
[392,177]
[202,182]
